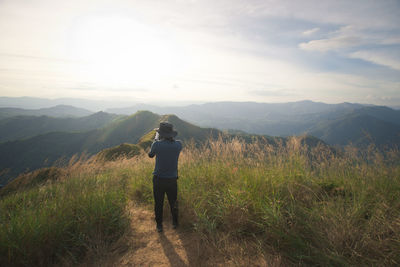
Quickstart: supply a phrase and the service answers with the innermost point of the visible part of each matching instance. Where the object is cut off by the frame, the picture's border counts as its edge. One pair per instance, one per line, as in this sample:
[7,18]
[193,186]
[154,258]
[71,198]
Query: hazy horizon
[27,102]
[201,51]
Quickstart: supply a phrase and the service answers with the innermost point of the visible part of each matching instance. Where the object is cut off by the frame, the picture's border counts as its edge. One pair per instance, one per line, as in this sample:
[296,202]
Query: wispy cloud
[311,31]
[336,43]
[346,37]
[383,59]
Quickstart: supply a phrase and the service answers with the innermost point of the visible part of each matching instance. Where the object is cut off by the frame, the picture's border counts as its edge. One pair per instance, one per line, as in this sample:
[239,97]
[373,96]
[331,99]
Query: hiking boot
[159,228]
[175,225]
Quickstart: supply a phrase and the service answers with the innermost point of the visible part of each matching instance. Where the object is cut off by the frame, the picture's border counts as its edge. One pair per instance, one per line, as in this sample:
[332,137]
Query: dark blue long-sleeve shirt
[167,154]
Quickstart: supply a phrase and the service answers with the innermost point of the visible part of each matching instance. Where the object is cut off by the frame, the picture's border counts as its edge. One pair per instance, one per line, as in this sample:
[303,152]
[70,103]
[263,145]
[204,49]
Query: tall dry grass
[312,205]
[307,205]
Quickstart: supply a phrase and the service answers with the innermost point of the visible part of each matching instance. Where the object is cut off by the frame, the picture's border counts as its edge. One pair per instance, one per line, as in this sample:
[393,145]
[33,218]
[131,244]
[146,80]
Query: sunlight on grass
[311,205]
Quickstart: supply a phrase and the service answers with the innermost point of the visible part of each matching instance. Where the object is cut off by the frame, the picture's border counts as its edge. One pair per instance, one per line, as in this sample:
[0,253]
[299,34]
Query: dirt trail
[151,248]
[144,246]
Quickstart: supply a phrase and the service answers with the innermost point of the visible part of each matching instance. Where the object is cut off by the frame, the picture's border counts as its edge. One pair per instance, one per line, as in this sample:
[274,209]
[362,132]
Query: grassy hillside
[58,147]
[304,205]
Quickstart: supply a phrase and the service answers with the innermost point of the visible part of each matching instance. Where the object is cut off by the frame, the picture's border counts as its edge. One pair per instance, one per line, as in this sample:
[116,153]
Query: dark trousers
[170,187]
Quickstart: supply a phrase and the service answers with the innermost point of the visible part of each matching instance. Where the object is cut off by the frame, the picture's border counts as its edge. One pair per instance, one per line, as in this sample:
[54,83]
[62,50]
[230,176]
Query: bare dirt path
[150,248]
[144,246]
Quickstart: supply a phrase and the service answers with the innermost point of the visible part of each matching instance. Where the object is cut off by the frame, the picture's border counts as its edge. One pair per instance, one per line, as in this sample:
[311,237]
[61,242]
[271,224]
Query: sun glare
[120,51]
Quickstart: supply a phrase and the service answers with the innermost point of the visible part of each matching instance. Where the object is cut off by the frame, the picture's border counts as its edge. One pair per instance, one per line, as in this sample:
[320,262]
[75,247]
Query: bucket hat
[166,130]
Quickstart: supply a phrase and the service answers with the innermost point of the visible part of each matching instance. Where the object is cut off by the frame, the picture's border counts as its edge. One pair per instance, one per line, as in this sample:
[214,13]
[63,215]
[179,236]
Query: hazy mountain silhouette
[241,110]
[274,119]
[39,103]
[56,111]
[21,127]
[359,130]
[295,118]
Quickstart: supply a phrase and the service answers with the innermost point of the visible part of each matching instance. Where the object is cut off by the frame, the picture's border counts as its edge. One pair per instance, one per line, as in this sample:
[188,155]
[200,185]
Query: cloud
[370,14]
[336,43]
[379,58]
[311,31]
[244,50]
[346,37]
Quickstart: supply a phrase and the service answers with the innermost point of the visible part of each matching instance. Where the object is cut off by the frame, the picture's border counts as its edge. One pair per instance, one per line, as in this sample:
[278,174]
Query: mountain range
[39,103]
[22,127]
[30,139]
[56,111]
[336,124]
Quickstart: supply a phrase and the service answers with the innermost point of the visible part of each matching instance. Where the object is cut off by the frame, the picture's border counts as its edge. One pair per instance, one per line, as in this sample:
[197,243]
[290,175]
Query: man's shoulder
[178,142]
[175,143]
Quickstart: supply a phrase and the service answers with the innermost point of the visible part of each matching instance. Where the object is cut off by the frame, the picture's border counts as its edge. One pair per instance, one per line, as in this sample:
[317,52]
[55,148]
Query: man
[165,175]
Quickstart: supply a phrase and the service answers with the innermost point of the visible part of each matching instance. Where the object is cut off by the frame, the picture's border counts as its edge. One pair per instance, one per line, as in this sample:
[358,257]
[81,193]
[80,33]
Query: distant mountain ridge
[56,111]
[39,103]
[241,109]
[256,118]
[336,124]
[22,127]
[278,119]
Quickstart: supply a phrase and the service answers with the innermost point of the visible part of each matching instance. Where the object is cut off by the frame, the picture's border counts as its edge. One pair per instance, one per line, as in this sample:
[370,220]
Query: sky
[195,51]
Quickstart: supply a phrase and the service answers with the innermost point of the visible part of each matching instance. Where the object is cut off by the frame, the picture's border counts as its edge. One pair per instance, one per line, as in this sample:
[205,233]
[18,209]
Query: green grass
[313,206]
[43,225]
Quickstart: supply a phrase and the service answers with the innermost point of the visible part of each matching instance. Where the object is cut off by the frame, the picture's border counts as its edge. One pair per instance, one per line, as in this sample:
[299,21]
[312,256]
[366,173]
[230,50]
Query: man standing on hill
[165,175]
